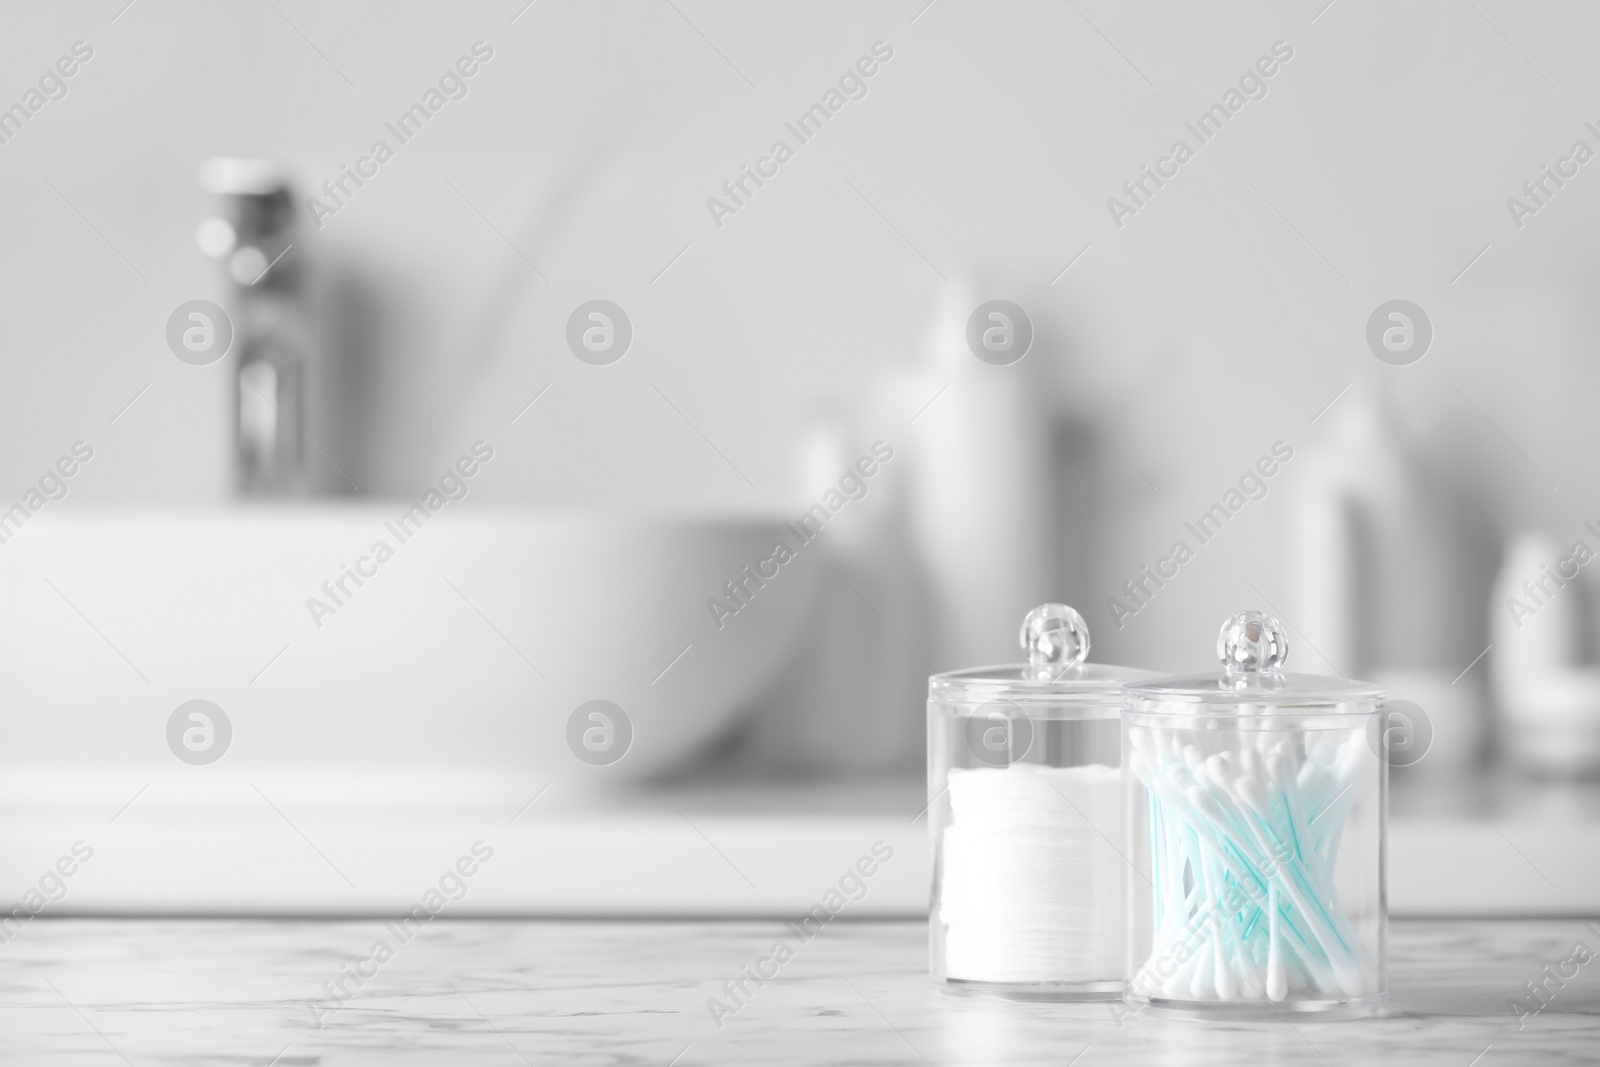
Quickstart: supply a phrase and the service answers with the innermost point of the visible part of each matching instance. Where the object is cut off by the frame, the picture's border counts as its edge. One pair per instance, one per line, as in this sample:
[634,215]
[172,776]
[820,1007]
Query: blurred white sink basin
[466,652]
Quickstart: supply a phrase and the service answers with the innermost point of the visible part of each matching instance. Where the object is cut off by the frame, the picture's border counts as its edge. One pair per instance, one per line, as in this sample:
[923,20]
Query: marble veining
[190,992]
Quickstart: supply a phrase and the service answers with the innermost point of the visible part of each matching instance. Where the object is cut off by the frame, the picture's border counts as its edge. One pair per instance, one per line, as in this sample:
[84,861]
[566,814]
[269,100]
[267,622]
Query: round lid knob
[1252,642]
[1056,639]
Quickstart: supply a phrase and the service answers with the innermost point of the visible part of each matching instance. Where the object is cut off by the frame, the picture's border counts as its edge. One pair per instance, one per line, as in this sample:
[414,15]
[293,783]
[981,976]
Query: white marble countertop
[92,991]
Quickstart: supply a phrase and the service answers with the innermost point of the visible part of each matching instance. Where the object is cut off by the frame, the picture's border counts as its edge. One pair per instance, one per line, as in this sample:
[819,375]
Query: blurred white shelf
[730,850]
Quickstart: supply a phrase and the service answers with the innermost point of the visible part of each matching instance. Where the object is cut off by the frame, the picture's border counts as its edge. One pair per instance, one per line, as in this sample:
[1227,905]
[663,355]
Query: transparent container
[1024,787]
[1256,808]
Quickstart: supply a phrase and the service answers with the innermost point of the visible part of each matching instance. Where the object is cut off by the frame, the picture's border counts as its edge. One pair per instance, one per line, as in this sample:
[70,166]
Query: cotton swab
[1277,983]
[1243,844]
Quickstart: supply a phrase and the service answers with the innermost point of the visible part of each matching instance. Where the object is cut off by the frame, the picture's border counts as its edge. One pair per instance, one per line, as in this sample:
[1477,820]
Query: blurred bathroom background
[775,346]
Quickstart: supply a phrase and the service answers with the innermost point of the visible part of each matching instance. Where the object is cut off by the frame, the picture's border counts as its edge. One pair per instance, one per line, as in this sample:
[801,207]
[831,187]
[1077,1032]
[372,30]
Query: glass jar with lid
[1025,814]
[1256,806]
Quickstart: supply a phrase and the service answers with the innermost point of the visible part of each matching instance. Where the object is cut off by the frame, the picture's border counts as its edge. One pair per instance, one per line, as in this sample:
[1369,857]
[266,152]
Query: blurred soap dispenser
[1377,560]
[851,699]
[277,377]
[1547,694]
[983,459]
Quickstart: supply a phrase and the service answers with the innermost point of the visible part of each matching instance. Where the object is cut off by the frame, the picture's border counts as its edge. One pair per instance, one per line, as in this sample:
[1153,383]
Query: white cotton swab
[1223,975]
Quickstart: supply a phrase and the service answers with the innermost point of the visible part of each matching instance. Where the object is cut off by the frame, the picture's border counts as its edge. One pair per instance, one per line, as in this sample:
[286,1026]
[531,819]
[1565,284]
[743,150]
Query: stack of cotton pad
[1031,880]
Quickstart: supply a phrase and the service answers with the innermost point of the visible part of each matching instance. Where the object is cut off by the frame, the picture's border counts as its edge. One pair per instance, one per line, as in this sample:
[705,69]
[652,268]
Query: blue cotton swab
[1277,983]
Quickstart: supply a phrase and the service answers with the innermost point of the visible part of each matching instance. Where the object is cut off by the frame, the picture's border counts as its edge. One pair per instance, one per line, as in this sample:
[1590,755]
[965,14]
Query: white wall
[1194,336]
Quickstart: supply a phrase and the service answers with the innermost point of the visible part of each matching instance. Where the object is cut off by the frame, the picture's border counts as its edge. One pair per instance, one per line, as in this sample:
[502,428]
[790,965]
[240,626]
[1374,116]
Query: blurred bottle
[1377,563]
[1549,701]
[983,457]
[852,700]
[276,373]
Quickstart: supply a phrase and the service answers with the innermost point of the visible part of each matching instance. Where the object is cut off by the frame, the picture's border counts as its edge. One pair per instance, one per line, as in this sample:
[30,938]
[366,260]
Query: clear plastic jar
[1025,814]
[1256,806]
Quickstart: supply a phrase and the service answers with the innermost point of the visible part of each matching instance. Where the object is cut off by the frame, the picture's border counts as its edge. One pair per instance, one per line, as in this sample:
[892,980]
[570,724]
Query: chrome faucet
[274,348]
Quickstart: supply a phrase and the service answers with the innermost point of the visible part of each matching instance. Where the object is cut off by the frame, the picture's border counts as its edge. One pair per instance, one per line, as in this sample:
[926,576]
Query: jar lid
[1056,639]
[1253,649]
